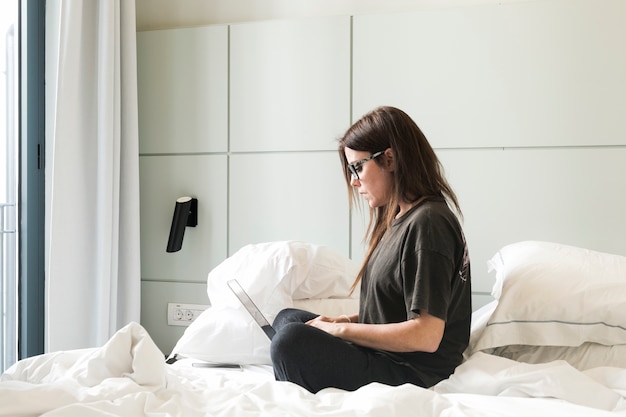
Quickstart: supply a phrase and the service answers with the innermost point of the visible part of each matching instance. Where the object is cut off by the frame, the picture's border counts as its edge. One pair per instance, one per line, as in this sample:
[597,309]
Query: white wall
[167,14]
[523,103]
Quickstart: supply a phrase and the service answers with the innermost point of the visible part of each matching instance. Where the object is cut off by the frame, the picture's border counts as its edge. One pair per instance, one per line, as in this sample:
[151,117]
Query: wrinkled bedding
[128,376]
[540,348]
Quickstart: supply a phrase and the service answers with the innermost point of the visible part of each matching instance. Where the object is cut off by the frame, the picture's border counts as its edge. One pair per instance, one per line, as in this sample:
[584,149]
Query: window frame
[31,200]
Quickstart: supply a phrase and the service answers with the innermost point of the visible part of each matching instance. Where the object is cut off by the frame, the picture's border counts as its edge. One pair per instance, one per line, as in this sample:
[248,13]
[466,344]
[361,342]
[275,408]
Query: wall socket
[179,314]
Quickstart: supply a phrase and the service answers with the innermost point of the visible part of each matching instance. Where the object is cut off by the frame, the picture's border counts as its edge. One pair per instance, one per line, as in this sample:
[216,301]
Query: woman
[415,287]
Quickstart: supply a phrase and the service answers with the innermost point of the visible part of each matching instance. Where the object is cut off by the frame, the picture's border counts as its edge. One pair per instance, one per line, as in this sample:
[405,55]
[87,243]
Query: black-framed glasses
[355,168]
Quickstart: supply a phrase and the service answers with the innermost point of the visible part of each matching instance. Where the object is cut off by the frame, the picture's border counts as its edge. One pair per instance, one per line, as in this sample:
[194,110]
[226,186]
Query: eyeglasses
[355,168]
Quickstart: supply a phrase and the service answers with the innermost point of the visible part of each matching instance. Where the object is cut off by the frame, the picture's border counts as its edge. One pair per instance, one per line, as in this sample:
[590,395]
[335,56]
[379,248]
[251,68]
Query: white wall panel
[183,84]
[545,73]
[480,300]
[288,196]
[574,196]
[523,102]
[289,84]
[163,180]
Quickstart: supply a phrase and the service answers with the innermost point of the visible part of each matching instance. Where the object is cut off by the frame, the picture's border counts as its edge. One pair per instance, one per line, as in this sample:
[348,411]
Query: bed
[552,344]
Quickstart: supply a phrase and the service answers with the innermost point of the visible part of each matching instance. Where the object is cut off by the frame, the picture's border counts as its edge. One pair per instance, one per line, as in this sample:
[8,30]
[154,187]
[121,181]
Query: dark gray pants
[315,360]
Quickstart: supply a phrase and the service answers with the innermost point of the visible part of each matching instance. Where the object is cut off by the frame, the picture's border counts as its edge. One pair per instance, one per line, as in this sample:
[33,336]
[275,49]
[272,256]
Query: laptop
[249,305]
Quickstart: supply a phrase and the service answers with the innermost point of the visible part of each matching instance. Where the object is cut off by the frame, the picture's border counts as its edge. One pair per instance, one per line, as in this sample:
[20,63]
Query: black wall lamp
[185,214]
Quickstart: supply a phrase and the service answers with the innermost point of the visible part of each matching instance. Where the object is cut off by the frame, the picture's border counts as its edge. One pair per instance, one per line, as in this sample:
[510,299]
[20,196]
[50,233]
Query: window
[8,181]
[22,195]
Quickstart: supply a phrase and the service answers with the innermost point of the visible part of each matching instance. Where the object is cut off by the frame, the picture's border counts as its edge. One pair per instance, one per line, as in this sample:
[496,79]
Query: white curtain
[93,274]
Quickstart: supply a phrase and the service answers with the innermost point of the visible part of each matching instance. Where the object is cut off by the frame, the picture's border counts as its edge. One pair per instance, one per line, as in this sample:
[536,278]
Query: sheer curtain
[93,274]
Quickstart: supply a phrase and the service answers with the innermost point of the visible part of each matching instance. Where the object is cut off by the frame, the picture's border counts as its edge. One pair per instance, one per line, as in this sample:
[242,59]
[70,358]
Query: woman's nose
[354,181]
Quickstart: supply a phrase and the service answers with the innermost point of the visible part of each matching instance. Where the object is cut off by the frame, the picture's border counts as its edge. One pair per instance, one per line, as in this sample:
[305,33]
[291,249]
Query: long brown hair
[418,172]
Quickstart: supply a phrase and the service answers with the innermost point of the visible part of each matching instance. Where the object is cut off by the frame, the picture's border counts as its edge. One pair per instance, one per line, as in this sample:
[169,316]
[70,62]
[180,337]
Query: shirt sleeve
[427,284]
[428,267]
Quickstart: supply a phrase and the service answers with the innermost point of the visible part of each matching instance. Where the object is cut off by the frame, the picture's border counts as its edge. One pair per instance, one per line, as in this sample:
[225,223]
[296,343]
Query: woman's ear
[390,161]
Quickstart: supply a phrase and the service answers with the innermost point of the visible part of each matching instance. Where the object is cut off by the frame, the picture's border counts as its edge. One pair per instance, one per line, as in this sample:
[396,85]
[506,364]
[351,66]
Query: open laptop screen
[249,305]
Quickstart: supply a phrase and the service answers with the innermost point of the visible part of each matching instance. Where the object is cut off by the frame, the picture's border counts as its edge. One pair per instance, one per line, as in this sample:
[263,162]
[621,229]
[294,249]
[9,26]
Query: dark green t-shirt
[422,263]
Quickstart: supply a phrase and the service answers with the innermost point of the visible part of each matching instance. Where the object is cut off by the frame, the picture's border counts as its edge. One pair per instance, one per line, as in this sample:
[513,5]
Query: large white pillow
[555,295]
[275,275]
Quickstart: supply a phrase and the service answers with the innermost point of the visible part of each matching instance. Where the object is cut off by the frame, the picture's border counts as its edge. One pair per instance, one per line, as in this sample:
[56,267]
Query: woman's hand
[421,334]
[331,325]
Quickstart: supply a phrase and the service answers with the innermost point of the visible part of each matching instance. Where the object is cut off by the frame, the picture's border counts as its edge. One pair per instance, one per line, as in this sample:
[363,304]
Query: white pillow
[556,295]
[331,307]
[274,275]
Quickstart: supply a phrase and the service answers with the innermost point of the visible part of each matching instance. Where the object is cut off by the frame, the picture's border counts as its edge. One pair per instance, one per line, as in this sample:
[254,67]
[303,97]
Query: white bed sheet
[128,377]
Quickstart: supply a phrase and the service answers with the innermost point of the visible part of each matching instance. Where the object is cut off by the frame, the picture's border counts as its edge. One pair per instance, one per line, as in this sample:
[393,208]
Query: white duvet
[128,377]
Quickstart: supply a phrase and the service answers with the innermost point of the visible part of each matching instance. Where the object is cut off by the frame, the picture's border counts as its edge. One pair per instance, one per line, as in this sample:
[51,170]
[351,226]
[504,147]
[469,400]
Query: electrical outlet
[179,314]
